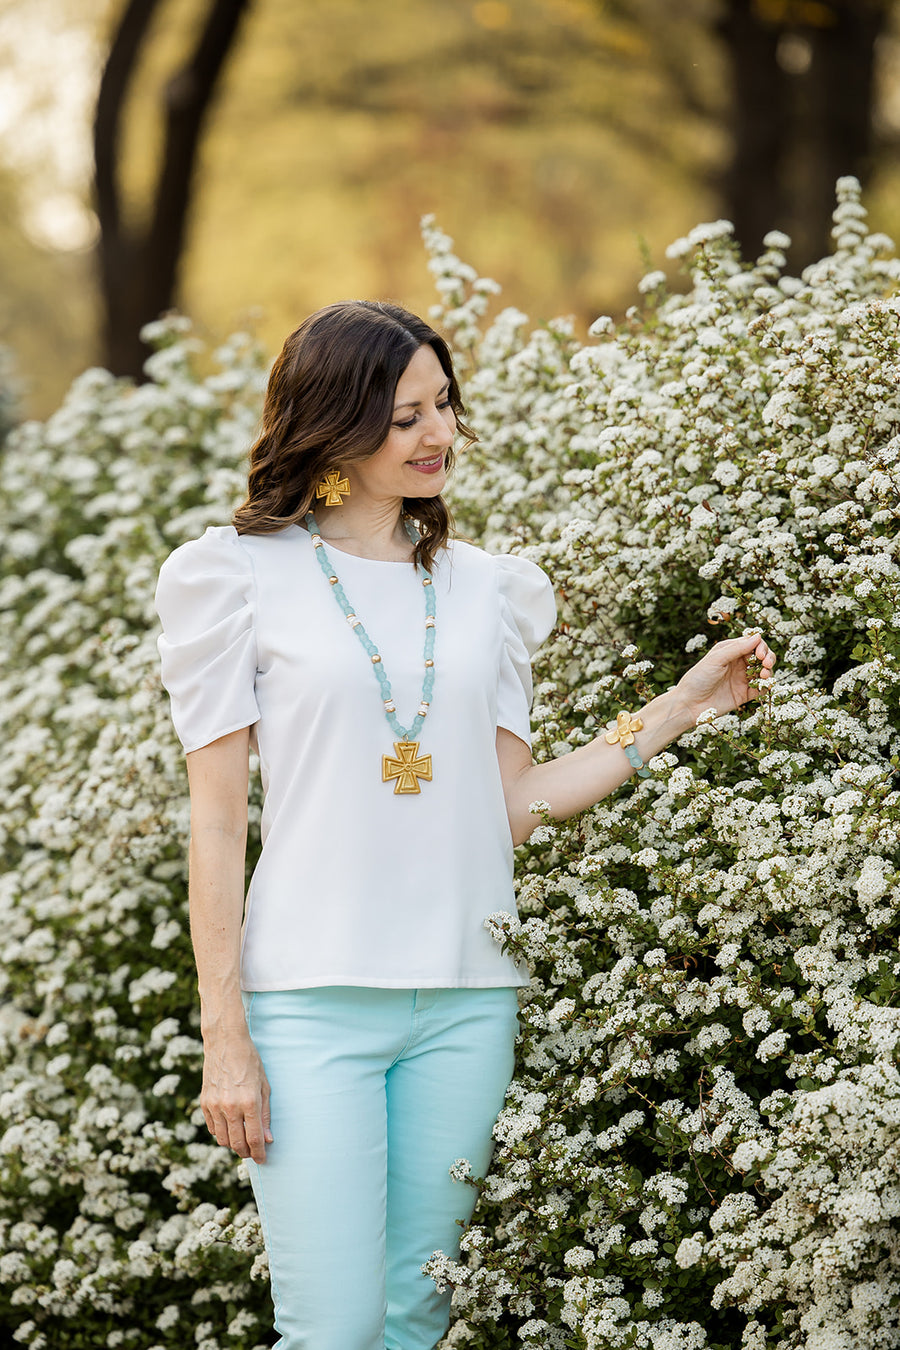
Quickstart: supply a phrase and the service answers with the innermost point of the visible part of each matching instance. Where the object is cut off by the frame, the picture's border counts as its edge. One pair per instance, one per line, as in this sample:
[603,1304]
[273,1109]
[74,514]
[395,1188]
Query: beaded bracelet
[623,733]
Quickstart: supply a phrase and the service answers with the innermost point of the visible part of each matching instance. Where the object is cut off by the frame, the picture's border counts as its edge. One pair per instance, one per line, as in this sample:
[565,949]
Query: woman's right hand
[234,1097]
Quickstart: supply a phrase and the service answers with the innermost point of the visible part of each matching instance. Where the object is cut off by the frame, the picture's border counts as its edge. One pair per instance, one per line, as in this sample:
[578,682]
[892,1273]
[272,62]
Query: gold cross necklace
[406,766]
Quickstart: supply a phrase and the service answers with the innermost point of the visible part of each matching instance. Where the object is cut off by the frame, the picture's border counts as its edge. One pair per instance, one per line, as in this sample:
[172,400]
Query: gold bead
[429,663]
[426,581]
[375,659]
[333,580]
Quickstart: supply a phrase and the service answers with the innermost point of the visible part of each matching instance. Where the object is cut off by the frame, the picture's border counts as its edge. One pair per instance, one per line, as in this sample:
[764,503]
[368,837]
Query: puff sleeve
[527,615]
[205,600]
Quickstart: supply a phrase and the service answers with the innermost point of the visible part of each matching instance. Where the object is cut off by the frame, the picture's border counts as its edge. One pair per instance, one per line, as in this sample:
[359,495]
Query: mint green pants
[375,1094]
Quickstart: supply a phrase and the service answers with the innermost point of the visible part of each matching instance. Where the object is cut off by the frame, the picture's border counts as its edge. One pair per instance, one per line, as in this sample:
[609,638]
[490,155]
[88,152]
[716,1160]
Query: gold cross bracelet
[626,725]
[407,768]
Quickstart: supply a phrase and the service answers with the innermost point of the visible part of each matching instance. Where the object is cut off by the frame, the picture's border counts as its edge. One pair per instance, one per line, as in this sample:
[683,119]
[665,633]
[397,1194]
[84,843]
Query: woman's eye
[411,422]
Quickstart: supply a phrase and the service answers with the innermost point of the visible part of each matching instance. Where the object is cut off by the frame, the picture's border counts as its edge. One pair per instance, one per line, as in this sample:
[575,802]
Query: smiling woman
[397,403]
[358,1027]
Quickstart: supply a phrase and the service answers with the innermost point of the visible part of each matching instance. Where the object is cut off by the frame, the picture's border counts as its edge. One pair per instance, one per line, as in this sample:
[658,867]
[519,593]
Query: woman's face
[412,460]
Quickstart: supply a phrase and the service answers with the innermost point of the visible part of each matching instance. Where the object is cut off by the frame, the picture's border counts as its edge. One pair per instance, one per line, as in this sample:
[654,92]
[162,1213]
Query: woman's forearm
[216,908]
[719,680]
[218,775]
[234,1097]
[570,783]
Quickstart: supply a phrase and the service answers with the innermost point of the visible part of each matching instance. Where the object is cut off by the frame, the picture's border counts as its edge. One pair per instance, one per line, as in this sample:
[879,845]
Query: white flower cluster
[702,1143]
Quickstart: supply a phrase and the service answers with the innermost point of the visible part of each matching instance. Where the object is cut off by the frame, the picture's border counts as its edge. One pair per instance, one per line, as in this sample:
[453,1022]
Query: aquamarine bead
[402,734]
[634,759]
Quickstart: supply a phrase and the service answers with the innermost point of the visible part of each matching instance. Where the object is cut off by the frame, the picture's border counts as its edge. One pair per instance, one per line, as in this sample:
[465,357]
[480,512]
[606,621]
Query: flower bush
[700,1148]
[111,1195]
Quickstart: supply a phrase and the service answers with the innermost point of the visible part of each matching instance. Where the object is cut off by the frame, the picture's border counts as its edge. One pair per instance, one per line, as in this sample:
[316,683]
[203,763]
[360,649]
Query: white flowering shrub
[702,1144]
[111,1194]
[700,1148]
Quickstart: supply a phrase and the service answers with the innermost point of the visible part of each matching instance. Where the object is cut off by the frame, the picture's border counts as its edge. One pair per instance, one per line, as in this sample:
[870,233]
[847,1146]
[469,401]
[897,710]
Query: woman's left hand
[720,679]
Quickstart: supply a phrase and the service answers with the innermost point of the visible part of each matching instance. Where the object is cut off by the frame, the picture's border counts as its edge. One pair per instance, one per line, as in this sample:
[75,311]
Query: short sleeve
[527,615]
[205,601]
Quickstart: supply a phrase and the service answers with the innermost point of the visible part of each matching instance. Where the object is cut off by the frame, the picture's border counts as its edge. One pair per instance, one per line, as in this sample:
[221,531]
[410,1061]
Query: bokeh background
[702,1146]
[259,158]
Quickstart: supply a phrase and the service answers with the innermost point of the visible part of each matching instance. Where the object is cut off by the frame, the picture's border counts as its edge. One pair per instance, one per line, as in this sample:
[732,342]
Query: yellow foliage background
[549,137]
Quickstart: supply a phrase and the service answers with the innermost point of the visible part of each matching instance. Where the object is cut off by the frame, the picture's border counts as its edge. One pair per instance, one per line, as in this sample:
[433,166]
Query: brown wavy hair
[329,403]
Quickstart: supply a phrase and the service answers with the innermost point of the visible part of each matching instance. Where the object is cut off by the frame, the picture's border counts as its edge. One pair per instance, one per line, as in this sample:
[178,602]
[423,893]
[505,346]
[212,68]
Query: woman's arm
[573,782]
[235,1093]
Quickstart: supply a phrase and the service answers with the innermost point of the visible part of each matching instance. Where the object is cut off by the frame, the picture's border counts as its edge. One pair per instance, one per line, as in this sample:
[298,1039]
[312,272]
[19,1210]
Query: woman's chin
[426,484]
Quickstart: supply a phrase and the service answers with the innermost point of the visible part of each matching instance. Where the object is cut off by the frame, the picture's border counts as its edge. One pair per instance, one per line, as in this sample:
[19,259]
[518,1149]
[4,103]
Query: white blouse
[357,885]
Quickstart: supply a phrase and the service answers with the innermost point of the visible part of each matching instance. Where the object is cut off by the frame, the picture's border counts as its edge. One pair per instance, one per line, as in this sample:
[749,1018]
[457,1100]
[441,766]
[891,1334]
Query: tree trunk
[752,186]
[138,265]
[796,130]
[834,121]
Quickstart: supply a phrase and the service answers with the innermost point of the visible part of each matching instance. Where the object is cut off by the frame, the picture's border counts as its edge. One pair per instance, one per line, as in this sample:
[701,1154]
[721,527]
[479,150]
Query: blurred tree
[801,112]
[797,97]
[139,264]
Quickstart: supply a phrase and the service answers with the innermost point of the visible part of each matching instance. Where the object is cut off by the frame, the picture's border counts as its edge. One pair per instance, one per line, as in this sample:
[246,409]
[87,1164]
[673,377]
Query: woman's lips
[433,465]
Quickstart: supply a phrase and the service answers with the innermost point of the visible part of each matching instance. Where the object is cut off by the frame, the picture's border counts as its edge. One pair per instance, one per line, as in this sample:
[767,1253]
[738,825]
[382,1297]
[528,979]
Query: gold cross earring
[333,488]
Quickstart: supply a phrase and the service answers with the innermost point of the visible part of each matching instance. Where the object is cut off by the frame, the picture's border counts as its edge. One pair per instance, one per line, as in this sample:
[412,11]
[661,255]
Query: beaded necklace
[406,766]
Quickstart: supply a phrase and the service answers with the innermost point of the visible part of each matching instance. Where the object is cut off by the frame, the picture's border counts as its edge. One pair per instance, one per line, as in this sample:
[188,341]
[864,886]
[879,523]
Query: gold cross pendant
[407,768]
[331,487]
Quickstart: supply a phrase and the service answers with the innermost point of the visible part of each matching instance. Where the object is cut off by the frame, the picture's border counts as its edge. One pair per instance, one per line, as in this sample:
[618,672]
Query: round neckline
[356,557]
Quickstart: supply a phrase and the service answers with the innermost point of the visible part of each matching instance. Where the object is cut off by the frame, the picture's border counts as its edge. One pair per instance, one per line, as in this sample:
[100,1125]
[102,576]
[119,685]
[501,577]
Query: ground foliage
[701,1145]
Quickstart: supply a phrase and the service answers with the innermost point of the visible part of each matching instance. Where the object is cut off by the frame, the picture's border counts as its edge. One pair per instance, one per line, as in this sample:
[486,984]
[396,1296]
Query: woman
[358,1031]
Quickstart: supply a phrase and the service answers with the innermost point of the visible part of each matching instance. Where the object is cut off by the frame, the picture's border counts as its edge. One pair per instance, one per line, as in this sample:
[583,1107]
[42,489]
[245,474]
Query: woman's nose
[439,431]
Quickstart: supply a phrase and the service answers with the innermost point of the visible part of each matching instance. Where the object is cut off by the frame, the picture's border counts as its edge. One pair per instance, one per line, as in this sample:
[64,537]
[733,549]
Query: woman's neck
[368,529]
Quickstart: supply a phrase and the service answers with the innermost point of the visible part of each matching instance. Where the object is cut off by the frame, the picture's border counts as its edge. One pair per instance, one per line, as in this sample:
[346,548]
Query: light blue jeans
[375,1093]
